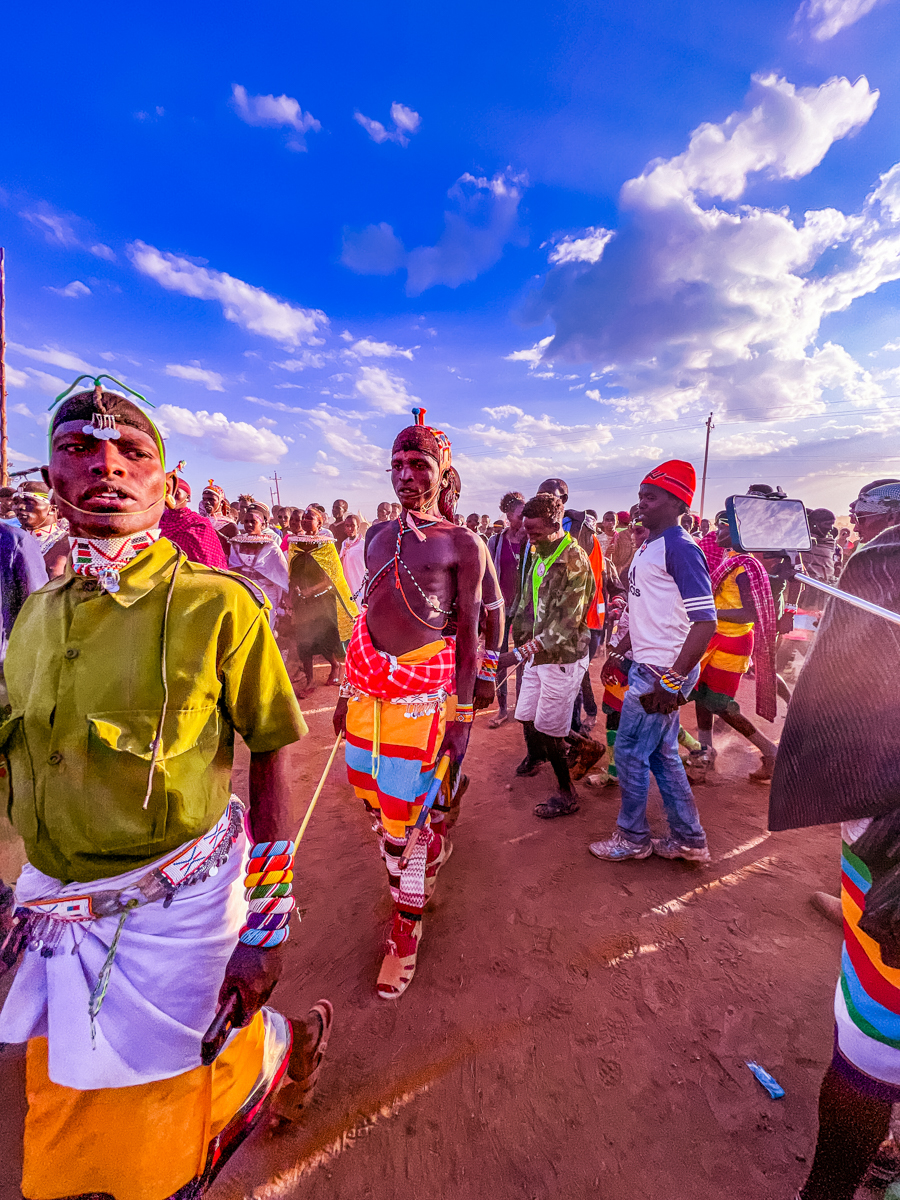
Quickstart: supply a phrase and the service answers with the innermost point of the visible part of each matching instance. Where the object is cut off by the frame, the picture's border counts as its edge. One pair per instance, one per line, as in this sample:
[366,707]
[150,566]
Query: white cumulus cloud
[275,112]
[383,390]
[247,306]
[232,441]
[406,122]
[211,380]
[696,304]
[483,220]
[784,131]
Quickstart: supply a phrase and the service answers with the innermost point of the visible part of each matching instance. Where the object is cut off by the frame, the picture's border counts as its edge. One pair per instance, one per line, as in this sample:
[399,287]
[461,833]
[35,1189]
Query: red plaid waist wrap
[382,675]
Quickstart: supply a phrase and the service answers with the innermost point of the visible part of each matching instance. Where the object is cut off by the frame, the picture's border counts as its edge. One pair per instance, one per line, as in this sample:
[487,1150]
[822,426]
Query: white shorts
[548,694]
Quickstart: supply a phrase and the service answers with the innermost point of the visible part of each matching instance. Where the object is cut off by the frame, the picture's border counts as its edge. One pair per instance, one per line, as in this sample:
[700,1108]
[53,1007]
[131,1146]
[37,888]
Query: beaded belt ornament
[268,893]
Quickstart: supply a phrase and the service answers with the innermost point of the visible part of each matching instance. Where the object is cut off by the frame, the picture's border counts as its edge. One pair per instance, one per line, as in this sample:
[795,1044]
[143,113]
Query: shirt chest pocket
[15,759]
[120,753]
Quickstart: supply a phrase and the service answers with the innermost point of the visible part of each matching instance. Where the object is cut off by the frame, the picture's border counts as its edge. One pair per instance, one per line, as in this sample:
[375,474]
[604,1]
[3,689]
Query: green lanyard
[540,569]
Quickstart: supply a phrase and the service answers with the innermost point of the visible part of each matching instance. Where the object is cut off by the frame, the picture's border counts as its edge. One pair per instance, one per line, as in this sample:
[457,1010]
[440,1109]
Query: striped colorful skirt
[725,662]
[867,1001]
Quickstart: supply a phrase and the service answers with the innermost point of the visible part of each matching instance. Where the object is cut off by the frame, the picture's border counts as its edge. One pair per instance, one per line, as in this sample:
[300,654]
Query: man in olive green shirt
[128,677]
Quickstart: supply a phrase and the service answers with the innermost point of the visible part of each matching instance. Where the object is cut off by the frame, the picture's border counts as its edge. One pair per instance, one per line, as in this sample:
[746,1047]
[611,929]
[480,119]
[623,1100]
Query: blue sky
[569,231]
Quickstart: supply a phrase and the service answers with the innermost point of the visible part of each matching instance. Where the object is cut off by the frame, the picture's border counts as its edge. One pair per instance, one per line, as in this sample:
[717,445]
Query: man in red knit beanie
[671,618]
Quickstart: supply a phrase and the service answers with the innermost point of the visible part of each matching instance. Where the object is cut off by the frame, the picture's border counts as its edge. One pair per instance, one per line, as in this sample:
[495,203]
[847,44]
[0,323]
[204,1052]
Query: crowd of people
[139,634]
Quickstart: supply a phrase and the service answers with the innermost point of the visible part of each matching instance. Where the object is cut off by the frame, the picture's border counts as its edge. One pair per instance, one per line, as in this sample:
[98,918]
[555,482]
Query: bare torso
[436,582]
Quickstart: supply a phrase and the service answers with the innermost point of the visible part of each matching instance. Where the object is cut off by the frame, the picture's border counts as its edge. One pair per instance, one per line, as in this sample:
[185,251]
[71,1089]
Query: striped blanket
[837,759]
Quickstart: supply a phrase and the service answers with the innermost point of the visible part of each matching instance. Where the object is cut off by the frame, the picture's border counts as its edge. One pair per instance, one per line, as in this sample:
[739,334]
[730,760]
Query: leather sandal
[397,969]
[304,1067]
[557,806]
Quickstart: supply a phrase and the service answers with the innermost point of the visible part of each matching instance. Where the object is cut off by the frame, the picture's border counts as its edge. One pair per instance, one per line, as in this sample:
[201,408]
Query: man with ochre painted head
[128,677]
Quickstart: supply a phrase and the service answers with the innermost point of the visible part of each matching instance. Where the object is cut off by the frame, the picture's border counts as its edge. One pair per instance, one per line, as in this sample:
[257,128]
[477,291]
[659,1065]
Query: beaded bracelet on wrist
[672,682]
[465,713]
[528,649]
[488,669]
[268,893]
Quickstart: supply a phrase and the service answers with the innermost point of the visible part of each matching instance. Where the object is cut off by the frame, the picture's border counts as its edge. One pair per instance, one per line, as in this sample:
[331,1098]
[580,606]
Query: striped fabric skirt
[867,1001]
[725,662]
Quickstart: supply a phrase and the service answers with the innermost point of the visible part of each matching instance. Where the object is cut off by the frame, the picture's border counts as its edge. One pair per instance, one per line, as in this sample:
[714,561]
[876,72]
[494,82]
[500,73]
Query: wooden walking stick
[439,773]
[223,1023]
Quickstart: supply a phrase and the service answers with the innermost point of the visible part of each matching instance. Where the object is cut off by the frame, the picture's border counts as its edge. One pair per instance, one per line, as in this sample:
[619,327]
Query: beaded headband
[103,425]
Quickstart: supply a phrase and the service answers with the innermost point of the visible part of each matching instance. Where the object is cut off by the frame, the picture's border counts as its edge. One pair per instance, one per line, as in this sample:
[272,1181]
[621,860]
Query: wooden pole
[277,492]
[709,428]
[4,465]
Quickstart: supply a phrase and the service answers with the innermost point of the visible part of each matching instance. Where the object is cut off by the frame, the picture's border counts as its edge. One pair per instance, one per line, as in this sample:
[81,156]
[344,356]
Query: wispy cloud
[406,122]
[211,380]
[275,112]
[825,18]
[484,220]
[53,356]
[367,348]
[302,361]
[533,356]
[276,404]
[586,246]
[323,467]
[59,229]
[231,441]
[247,306]
[73,290]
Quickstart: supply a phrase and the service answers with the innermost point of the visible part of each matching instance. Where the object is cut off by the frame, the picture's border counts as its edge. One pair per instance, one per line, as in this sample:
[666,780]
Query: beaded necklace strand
[398,562]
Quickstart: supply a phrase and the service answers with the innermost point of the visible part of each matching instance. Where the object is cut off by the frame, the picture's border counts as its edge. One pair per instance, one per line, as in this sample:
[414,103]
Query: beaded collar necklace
[105,558]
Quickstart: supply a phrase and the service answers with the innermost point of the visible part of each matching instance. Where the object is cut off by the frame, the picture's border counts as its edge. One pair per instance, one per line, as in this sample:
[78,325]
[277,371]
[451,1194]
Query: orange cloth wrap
[135,1143]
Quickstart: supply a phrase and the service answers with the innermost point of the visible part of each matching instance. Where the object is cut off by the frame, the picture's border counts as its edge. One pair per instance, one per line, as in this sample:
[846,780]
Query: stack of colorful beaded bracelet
[268,894]
[465,713]
[672,682]
[488,668]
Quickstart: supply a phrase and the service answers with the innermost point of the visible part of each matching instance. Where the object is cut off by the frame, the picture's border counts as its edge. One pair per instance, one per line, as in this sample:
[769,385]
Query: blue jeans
[649,742]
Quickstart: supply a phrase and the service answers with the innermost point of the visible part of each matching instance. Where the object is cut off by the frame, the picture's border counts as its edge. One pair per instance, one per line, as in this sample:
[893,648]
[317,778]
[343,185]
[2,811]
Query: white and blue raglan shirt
[668,589]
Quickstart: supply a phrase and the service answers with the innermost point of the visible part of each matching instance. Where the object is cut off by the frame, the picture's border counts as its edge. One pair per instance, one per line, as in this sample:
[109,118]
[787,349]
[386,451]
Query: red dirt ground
[575,1028]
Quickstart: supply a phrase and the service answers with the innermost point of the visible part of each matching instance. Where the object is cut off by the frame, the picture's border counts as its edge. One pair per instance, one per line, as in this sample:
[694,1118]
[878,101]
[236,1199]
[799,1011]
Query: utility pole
[709,428]
[4,465]
[277,492]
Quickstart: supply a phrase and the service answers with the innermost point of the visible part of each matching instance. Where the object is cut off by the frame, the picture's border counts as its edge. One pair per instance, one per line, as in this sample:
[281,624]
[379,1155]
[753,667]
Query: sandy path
[575,1028]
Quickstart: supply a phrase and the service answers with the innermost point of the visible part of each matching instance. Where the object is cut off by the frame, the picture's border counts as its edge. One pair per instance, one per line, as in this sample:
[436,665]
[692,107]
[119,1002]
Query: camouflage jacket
[564,597]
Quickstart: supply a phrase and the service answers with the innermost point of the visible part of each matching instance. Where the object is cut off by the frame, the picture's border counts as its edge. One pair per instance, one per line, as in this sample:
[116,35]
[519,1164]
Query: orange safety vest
[597,612]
